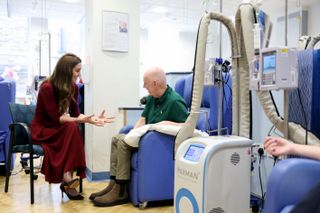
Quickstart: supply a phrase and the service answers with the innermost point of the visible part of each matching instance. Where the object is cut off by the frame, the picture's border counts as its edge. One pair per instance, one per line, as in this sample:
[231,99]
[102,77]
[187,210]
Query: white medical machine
[274,69]
[212,174]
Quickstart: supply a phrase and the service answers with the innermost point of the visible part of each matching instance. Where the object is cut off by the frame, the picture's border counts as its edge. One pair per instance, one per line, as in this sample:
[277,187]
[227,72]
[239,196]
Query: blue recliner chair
[152,165]
[208,115]
[7,94]
[290,180]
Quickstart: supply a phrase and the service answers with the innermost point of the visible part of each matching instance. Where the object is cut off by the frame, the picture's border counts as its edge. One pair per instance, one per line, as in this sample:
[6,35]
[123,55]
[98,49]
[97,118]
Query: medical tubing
[197,88]
[243,83]
[235,74]
[195,60]
[274,103]
[189,126]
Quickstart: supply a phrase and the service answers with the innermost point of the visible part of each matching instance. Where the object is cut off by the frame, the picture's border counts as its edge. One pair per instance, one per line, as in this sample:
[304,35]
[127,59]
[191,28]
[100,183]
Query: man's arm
[170,123]
[140,122]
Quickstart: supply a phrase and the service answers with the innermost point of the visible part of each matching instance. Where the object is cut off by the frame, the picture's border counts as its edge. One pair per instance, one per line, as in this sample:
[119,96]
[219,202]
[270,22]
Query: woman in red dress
[55,126]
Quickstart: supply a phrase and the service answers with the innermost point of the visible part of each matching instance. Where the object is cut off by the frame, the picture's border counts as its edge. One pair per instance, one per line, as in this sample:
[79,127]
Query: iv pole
[286,93]
[220,83]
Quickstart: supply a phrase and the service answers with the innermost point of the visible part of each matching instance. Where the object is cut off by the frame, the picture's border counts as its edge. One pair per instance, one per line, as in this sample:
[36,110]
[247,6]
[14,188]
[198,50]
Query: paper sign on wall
[115,31]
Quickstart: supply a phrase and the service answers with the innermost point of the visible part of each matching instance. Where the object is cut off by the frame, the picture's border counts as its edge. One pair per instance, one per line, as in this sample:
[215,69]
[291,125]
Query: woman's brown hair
[61,80]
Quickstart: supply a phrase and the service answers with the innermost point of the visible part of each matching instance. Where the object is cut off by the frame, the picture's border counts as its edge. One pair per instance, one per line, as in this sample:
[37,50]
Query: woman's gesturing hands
[96,120]
[103,119]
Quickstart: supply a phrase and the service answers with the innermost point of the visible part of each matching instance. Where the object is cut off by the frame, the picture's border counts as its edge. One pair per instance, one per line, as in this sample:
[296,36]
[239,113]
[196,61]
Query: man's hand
[140,122]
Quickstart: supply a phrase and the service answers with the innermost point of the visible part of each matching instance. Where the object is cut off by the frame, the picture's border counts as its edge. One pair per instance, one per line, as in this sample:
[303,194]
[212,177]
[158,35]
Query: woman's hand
[105,119]
[91,119]
[94,120]
[277,146]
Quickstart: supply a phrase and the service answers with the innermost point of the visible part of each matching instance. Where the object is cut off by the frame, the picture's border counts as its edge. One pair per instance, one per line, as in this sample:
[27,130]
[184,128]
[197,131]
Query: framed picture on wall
[115,31]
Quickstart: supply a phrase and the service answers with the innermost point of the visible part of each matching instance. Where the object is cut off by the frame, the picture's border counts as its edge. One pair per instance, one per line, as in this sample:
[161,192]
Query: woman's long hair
[61,80]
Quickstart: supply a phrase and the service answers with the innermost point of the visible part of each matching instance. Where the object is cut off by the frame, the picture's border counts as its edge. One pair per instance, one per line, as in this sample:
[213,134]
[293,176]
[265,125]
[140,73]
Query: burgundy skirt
[63,151]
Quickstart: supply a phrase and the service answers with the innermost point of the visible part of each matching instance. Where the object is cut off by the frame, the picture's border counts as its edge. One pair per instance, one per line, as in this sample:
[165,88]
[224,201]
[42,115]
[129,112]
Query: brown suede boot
[118,195]
[103,191]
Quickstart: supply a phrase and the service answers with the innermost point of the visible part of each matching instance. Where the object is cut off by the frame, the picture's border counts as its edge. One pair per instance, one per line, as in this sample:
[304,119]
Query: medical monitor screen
[269,68]
[193,153]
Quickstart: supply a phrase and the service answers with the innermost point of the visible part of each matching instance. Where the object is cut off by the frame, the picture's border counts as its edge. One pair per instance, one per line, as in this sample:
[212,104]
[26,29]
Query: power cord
[261,152]
[275,159]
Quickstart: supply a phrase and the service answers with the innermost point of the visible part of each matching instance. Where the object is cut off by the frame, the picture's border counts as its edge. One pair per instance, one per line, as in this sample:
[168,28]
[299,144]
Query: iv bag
[209,73]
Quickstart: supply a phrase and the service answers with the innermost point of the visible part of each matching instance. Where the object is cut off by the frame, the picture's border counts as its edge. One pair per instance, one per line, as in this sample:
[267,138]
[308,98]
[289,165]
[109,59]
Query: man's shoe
[103,191]
[118,195]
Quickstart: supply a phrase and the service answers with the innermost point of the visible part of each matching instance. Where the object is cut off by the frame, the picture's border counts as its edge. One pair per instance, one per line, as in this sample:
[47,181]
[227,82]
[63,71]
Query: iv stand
[220,83]
[286,93]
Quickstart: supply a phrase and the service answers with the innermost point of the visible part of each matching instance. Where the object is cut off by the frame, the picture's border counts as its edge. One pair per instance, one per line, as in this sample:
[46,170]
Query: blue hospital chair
[7,94]
[152,165]
[290,180]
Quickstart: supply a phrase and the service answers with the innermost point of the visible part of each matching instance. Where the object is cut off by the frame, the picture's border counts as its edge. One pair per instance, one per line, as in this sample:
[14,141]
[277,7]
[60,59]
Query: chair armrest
[154,142]
[126,129]
[289,182]
[156,166]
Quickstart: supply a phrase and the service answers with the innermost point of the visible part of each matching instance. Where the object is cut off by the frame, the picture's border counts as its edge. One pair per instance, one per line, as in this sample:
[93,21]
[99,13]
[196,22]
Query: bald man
[164,106]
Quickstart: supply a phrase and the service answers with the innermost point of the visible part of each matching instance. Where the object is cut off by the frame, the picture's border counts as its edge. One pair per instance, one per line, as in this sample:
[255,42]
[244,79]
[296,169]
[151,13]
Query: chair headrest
[22,113]
[183,87]
[179,86]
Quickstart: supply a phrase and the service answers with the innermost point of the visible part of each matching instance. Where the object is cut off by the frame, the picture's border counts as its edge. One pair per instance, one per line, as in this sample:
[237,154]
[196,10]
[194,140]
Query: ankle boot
[118,195]
[103,191]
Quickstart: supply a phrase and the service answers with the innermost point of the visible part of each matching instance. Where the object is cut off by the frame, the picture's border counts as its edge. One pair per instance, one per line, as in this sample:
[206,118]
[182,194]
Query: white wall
[313,20]
[168,48]
[187,48]
[113,78]
[174,49]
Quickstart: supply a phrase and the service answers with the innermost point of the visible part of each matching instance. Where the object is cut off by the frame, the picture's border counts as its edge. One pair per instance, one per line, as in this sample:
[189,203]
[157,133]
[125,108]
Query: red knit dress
[62,143]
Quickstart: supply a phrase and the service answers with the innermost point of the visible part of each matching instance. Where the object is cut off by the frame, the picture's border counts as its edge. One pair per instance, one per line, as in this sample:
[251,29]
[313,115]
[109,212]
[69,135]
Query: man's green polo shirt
[169,107]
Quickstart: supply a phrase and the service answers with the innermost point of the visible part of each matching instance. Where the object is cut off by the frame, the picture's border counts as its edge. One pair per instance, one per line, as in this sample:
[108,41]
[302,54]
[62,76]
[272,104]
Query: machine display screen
[193,153]
[268,68]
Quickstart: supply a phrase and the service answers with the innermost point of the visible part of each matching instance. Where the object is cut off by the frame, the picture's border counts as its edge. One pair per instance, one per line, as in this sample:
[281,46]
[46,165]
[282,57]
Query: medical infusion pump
[274,69]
